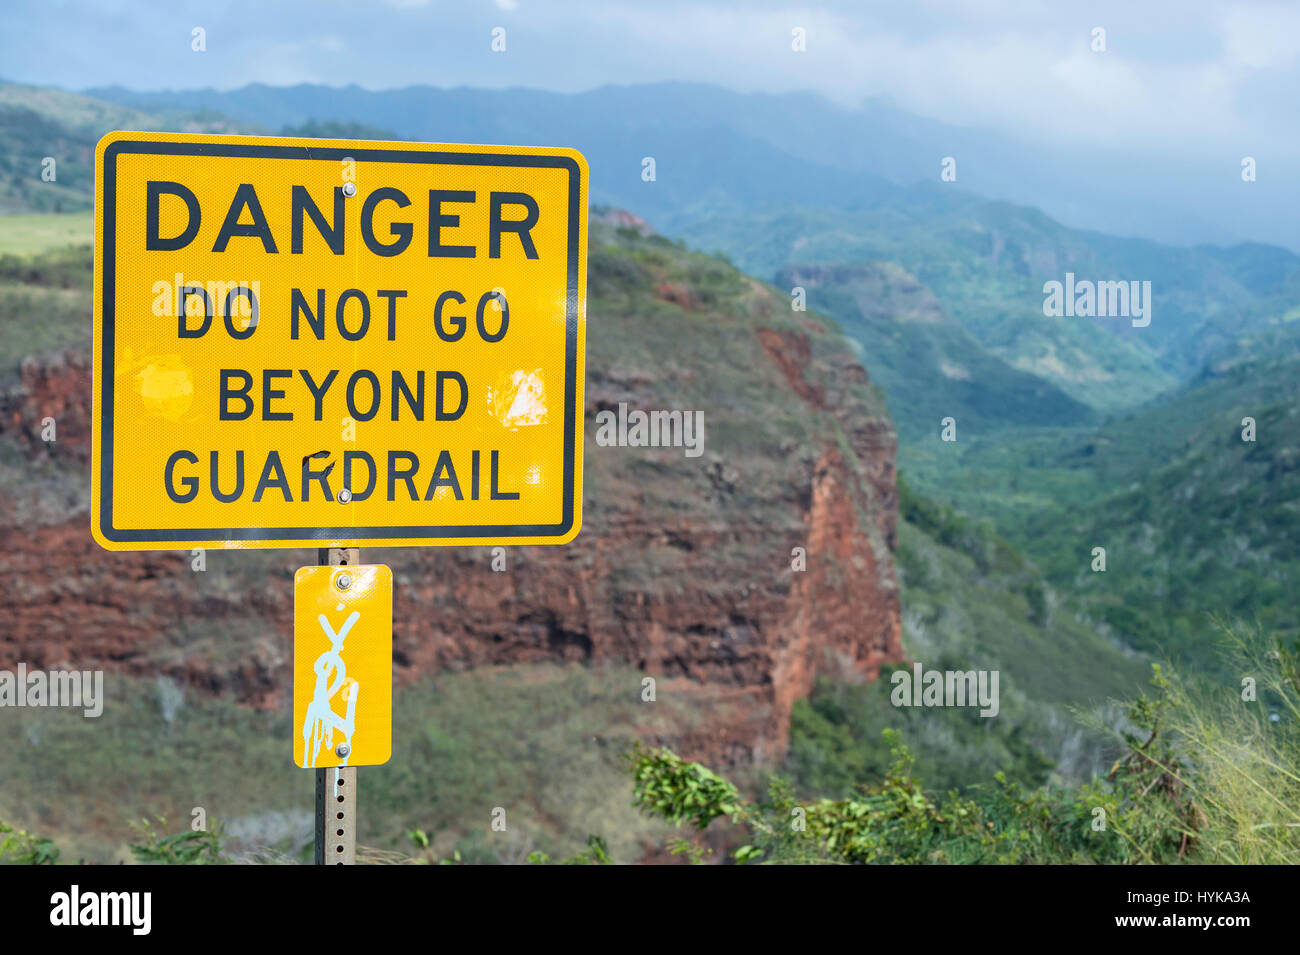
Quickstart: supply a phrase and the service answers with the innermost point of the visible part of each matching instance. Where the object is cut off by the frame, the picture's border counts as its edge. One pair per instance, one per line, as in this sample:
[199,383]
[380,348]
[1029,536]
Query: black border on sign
[349,534]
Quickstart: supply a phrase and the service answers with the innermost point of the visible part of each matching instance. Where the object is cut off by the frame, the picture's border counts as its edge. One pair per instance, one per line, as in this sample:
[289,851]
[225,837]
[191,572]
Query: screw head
[342,749]
[343,581]
[349,189]
[344,495]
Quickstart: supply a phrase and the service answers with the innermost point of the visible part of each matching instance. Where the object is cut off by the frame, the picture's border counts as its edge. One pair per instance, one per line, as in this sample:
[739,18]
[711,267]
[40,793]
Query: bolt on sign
[342,666]
[305,342]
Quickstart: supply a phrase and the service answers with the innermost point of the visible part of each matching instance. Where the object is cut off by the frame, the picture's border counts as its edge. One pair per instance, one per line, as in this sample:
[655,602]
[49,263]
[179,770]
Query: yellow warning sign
[305,342]
[342,666]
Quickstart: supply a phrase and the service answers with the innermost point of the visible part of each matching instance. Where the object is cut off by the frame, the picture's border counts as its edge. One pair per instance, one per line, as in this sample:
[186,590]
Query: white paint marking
[321,721]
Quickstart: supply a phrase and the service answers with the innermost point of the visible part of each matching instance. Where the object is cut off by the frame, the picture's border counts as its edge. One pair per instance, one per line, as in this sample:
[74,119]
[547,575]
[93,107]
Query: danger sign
[320,343]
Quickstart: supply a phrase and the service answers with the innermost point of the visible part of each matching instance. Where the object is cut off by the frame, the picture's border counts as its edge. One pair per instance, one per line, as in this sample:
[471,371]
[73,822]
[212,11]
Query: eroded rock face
[56,387]
[683,568]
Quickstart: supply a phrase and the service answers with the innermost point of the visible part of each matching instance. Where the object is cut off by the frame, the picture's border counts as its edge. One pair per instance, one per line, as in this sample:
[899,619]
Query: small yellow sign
[342,666]
[316,343]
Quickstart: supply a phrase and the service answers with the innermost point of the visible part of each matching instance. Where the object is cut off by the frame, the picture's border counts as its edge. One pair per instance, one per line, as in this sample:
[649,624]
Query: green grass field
[34,234]
[543,742]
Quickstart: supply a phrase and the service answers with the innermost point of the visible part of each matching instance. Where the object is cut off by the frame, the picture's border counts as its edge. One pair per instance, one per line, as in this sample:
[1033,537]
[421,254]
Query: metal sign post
[336,787]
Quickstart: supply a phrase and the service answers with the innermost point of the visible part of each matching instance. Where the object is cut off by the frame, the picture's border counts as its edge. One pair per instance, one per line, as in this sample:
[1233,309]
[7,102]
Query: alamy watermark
[924,687]
[1088,299]
[82,689]
[130,909]
[651,429]
[235,301]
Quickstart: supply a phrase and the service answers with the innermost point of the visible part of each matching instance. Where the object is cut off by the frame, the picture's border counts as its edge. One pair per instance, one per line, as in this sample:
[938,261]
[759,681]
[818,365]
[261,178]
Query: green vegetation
[28,235]
[38,123]
[194,847]
[985,263]
[20,847]
[971,601]
[1194,519]
[1072,434]
[596,853]
[1204,777]
[836,741]
[1206,773]
[45,304]
[542,741]
[980,338]
[1244,741]
[928,364]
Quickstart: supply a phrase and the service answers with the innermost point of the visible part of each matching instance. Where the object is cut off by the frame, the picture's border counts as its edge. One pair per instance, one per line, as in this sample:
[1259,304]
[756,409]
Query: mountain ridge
[1171,198]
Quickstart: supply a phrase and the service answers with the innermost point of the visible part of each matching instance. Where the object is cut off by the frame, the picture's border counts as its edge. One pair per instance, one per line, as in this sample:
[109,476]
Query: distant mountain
[986,264]
[1170,199]
[779,183]
[707,157]
[928,365]
[38,124]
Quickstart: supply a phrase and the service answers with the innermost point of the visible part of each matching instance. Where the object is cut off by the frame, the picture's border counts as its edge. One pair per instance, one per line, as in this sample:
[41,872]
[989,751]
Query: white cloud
[1022,67]
[1263,38]
[1198,76]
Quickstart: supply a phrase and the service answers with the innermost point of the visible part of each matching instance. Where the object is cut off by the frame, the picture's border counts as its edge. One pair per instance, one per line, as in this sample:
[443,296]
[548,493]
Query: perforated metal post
[336,788]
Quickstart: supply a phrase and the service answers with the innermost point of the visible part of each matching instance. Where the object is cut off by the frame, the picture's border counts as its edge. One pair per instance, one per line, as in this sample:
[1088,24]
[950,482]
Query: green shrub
[1204,777]
[191,847]
[19,847]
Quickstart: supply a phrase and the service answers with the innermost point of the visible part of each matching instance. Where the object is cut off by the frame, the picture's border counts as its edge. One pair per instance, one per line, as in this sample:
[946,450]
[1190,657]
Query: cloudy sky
[1177,75]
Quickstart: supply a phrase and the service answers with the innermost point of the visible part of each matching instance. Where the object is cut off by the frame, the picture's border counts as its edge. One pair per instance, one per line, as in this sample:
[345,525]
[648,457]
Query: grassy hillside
[1195,521]
[970,601]
[162,750]
[986,272]
[26,235]
[928,364]
[54,285]
[39,124]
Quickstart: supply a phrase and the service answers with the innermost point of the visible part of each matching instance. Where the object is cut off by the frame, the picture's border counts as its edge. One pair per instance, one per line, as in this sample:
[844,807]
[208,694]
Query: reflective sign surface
[318,342]
[342,666]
